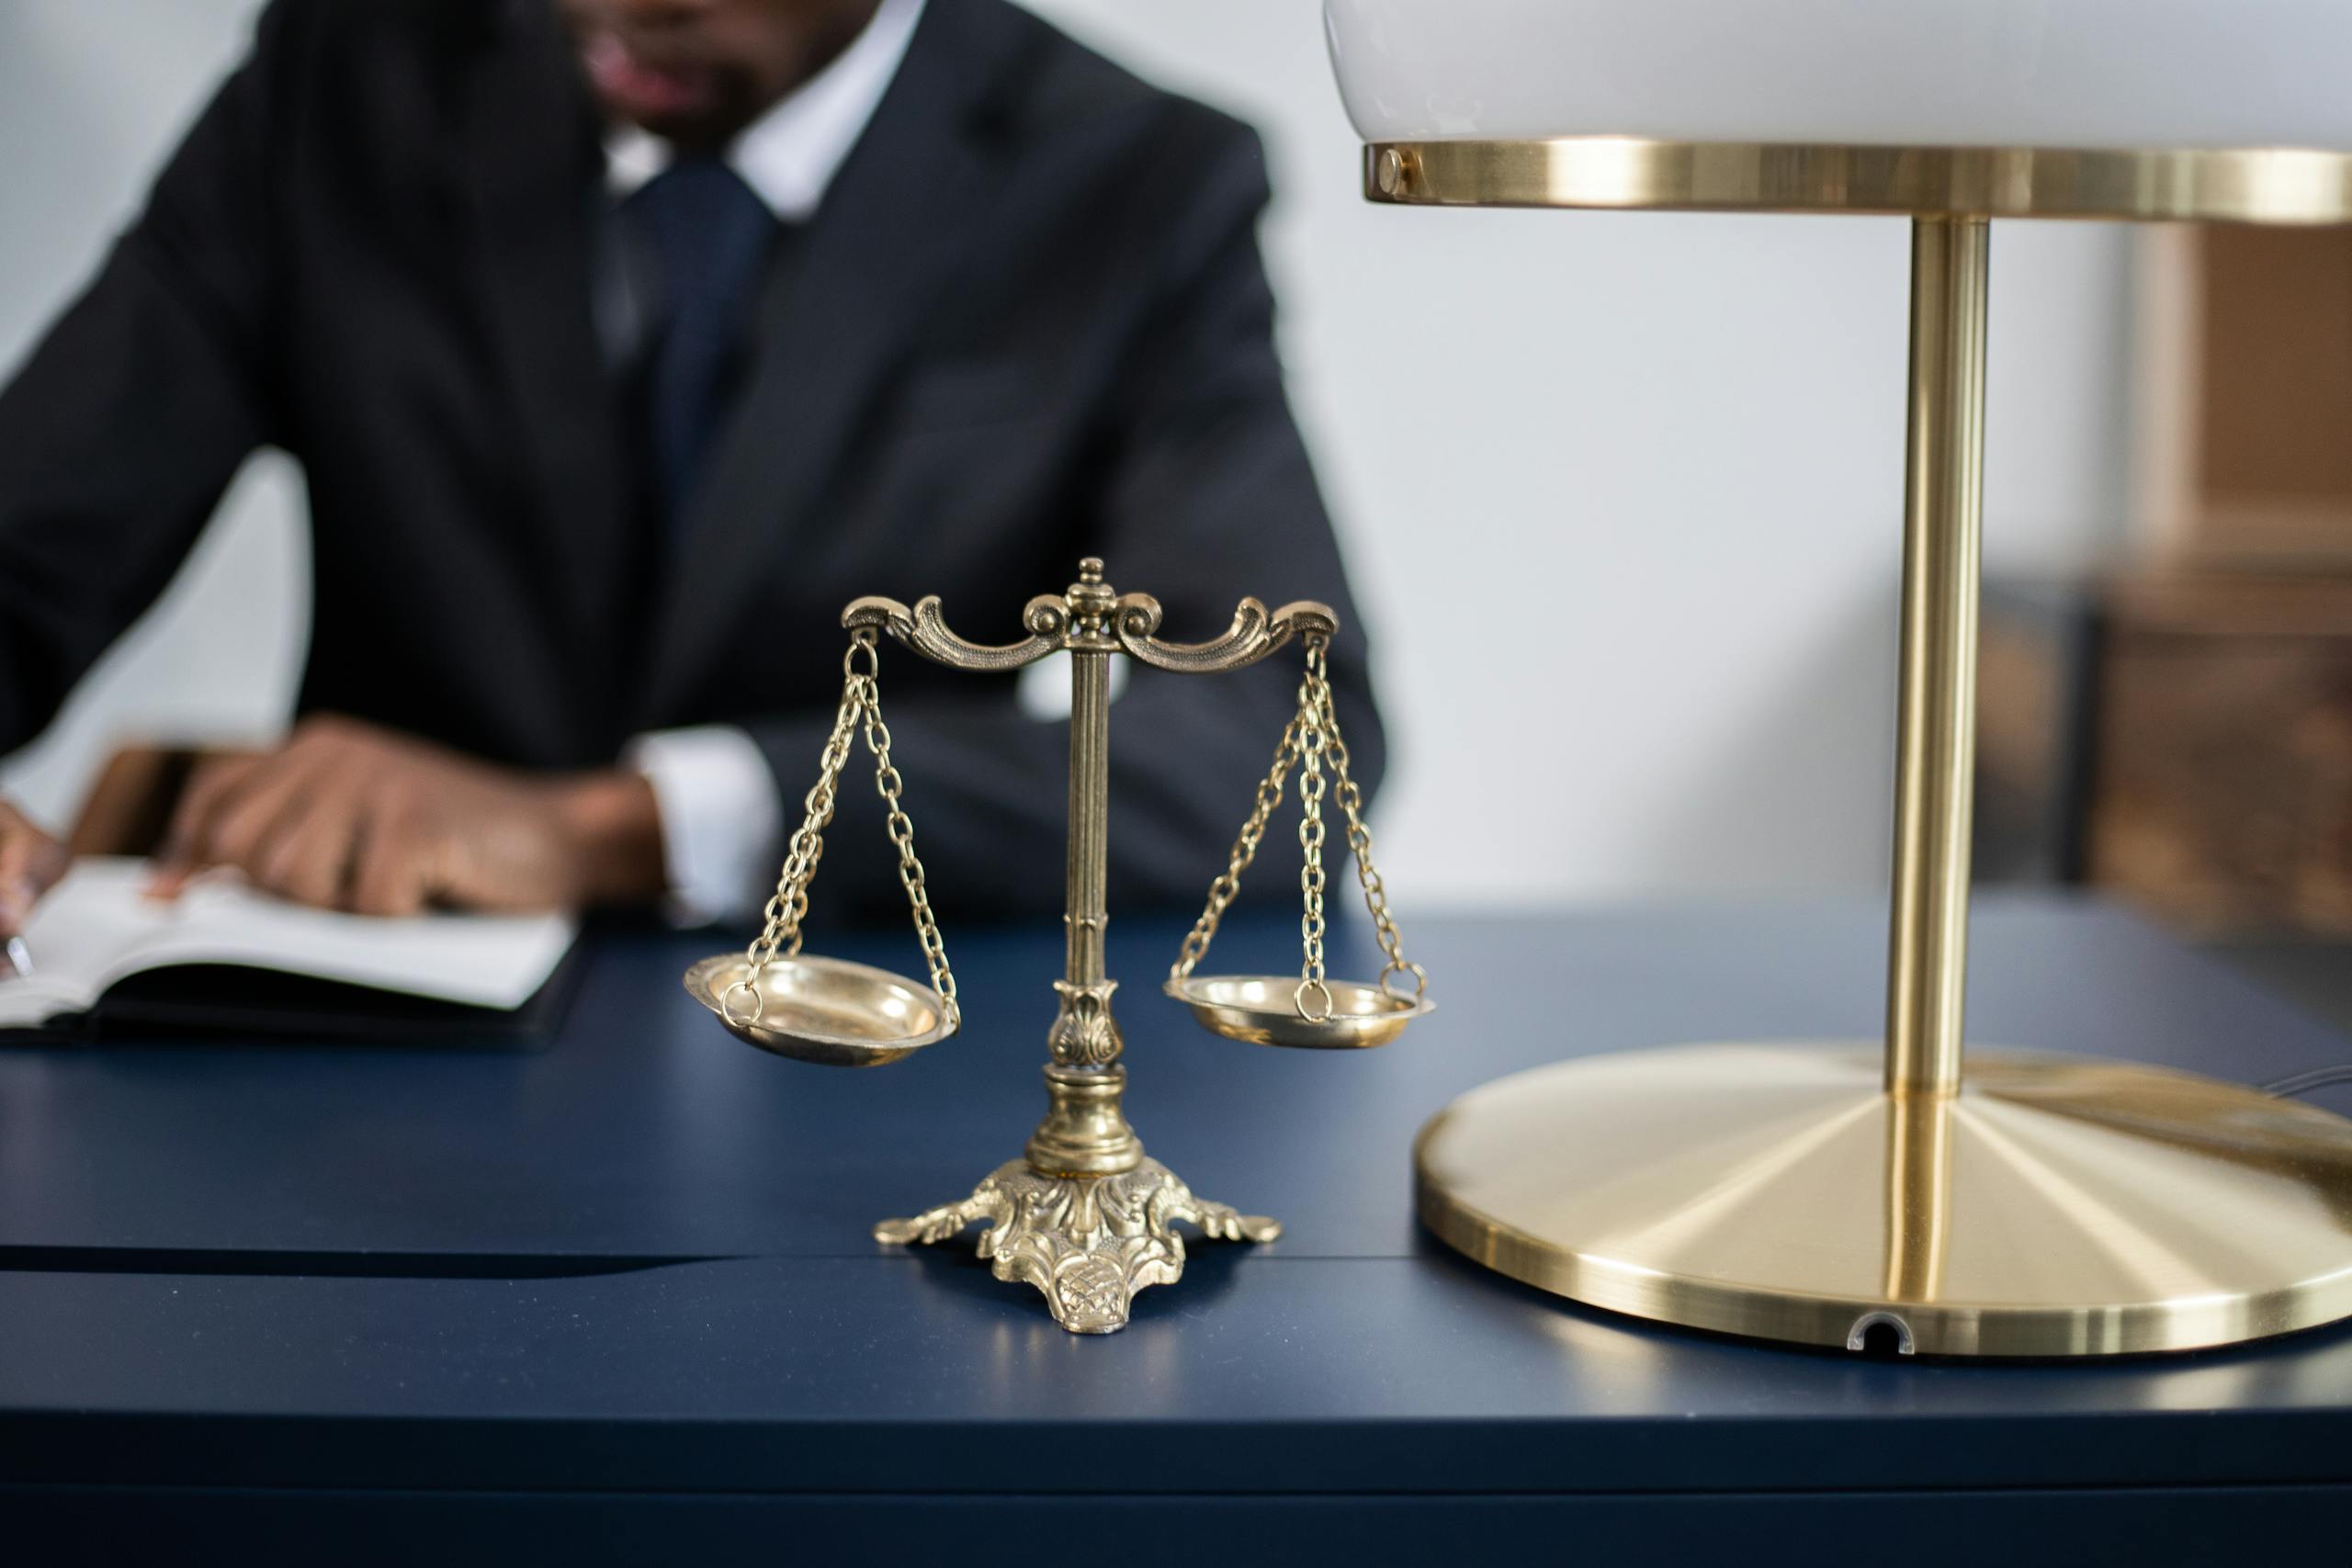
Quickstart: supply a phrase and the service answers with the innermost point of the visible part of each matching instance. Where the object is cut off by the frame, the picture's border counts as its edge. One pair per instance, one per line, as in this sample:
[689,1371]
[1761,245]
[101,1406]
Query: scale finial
[1090,570]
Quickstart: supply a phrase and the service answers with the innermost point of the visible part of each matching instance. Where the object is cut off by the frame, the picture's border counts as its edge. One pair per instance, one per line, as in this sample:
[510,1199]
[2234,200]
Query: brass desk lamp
[1846,1195]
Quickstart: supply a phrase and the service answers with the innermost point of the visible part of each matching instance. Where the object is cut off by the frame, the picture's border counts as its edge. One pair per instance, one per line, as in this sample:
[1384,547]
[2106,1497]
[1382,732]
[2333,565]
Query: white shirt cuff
[722,819]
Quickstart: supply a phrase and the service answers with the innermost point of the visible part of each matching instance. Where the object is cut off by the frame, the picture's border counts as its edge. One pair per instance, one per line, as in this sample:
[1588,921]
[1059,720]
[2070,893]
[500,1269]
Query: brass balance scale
[1082,1215]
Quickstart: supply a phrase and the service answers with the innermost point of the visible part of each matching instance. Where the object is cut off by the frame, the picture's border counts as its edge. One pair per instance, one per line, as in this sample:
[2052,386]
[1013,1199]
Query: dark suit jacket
[1029,323]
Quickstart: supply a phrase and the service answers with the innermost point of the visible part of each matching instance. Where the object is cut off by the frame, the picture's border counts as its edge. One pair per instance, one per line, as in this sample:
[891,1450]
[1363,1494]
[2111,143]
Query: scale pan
[823,1009]
[1263,1009]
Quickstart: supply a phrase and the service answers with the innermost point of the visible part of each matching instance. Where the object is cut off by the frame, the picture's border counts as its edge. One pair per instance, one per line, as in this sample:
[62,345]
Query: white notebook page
[98,926]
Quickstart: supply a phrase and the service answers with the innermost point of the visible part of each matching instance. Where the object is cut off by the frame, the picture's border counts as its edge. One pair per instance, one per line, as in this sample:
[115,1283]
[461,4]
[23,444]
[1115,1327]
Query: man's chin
[666,102]
[684,131]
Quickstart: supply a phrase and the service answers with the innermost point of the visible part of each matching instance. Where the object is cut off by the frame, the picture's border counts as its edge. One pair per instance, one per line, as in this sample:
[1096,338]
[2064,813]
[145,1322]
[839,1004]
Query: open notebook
[225,957]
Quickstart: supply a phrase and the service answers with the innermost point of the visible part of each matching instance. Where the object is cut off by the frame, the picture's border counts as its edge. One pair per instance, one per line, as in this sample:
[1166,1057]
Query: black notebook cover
[218,1001]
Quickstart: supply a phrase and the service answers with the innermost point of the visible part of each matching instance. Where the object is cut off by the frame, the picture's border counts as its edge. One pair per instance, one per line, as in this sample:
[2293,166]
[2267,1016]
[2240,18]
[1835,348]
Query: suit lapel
[533,164]
[841,315]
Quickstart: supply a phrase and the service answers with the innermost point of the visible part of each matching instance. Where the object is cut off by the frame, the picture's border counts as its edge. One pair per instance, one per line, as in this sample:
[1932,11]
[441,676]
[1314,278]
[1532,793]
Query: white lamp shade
[2059,73]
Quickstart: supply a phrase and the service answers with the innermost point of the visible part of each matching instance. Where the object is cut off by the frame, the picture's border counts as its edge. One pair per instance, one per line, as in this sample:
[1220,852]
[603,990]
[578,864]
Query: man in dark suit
[621,343]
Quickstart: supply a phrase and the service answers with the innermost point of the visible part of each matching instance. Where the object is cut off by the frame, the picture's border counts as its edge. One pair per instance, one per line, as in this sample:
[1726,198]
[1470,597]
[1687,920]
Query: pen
[20,957]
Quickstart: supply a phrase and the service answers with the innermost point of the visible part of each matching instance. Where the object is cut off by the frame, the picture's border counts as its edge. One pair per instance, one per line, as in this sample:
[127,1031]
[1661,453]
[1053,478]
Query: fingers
[288,820]
[214,783]
[247,828]
[31,863]
[389,874]
[349,815]
[16,869]
[307,850]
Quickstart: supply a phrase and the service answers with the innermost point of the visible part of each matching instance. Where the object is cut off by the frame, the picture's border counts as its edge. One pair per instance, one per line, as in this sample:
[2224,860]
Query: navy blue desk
[614,1300]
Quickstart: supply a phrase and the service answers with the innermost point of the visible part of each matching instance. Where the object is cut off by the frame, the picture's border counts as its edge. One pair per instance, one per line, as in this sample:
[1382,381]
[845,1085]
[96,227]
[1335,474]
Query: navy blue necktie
[705,235]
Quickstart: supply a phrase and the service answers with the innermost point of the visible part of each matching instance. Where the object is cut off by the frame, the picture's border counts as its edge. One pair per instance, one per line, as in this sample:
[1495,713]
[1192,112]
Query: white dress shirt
[723,816]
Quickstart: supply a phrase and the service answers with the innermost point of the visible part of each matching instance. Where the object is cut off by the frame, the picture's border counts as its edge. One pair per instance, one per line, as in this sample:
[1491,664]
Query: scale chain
[1313,698]
[780,932]
[1350,798]
[886,783]
[1227,884]
[1311,737]
[780,935]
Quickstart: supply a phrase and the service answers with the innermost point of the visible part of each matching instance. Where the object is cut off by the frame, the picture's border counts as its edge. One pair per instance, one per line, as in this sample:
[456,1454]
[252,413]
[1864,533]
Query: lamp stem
[1935,755]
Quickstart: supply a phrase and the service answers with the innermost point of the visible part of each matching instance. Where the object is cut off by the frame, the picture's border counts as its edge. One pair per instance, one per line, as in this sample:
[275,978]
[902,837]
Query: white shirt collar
[789,155]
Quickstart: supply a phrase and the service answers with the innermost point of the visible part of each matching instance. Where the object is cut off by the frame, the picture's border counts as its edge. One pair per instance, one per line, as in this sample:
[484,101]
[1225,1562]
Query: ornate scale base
[1090,1243]
[1082,1214]
[2054,1206]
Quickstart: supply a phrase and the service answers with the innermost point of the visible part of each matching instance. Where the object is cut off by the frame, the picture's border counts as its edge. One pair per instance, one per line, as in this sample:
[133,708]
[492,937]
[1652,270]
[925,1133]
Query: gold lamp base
[2054,1206]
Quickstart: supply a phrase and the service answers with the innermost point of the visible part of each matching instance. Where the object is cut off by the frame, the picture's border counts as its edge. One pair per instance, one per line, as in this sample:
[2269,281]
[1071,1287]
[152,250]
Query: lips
[636,90]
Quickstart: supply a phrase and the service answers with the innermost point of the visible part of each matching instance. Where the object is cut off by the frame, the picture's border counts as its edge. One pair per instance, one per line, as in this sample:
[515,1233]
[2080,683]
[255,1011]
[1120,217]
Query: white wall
[92,95]
[1622,491]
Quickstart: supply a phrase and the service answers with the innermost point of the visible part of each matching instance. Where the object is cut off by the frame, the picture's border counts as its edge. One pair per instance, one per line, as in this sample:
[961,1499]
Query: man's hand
[31,863]
[348,816]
